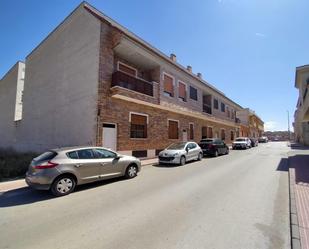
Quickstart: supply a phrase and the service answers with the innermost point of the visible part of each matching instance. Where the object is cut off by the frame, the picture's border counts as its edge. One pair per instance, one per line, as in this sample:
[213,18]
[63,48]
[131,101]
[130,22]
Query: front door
[184,136]
[110,136]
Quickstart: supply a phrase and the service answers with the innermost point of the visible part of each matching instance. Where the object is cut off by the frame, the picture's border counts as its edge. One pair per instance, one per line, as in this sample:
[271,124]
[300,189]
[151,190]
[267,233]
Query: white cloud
[260,34]
[270,126]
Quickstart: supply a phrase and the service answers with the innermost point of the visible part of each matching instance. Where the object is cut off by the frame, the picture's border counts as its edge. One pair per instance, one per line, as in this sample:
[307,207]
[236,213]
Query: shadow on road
[295,146]
[301,165]
[24,196]
[283,165]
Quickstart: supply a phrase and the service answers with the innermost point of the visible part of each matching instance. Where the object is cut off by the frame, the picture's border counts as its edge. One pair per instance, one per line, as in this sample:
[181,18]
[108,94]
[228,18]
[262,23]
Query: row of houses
[301,115]
[93,82]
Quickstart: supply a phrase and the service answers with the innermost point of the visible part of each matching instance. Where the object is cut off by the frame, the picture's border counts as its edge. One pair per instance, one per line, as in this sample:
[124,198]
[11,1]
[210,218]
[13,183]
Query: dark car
[214,147]
[254,142]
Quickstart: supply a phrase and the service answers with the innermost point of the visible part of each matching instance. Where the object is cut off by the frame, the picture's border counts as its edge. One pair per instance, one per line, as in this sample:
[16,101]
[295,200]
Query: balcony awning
[132,52]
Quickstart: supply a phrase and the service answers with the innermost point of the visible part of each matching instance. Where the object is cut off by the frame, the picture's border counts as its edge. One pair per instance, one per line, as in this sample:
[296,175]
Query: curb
[295,235]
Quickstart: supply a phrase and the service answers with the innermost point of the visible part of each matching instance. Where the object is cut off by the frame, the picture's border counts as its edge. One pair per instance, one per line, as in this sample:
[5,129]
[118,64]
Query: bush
[14,164]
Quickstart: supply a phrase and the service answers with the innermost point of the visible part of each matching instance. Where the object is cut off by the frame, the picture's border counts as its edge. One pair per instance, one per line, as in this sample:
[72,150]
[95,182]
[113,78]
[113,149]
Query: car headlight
[176,154]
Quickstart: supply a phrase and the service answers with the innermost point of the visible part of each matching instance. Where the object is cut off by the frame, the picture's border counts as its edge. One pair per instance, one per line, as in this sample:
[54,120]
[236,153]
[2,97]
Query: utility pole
[289,126]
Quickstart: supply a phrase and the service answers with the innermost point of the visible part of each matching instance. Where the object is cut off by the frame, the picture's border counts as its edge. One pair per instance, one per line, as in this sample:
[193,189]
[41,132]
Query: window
[223,134]
[139,153]
[191,131]
[72,155]
[138,125]
[172,129]
[182,91]
[228,112]
[85,154]
[210,134]
[222,107]
[232,135]
[168,83]
[232,114]
[46,156]
[193,93]
[216,104]
[100,153]
[127,69]
[204,132]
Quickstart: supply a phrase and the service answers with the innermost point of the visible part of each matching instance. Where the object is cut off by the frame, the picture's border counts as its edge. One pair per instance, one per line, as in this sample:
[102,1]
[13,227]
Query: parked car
[263,139]
[180,153]
[241,143]
[214,147]
[60,170]
[254,142]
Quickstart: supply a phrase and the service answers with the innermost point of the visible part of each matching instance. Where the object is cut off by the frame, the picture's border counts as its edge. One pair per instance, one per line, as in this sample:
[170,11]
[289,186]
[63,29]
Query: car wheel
[131,171]
[63,185]
[182,160]
[200,156]
[216,153]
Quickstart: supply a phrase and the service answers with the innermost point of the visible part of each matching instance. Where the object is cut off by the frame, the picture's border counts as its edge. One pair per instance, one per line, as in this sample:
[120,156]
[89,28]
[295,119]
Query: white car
[180,153]
[241,143]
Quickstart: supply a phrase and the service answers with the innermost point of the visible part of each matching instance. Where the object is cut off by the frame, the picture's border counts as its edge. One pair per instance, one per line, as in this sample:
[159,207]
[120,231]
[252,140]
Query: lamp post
[289,126]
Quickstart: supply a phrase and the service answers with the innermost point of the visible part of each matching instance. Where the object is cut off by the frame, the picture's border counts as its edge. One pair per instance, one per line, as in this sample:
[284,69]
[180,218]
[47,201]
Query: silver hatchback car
[60,170]
[180,153]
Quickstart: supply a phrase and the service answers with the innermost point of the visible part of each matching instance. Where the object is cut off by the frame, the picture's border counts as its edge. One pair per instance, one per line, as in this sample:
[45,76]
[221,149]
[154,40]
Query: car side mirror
[117,156]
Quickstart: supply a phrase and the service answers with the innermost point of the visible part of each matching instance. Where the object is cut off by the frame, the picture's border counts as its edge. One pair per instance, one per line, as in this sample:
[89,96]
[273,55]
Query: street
[236,201]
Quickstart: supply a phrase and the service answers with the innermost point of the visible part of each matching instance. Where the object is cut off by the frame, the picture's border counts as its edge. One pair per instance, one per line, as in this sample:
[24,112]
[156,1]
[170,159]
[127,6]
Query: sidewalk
[299,197]
[16,184]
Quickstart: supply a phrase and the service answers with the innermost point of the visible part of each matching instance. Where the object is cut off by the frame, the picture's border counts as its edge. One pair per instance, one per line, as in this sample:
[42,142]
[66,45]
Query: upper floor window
[182,94]
[232,114]
[127,69]
[138,128]
[193,93]
[228,112]
[173,129]
[216,104]
[168,83]
[222,107]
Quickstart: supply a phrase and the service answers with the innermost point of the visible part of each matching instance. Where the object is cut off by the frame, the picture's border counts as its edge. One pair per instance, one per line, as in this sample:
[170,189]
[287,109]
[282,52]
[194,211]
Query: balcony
[207,108]
[132,83]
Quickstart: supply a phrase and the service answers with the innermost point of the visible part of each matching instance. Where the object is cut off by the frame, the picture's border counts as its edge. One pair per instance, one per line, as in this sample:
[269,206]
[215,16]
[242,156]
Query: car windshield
[240,140]
[176,146]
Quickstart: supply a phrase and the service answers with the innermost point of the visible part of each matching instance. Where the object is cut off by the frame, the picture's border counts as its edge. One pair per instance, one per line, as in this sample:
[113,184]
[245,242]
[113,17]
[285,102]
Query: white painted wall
[61,85]
[10,84]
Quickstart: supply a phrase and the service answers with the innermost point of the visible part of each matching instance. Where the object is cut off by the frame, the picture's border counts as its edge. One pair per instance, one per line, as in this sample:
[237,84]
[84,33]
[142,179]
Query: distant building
[301,115]
[279,135]
[251,125]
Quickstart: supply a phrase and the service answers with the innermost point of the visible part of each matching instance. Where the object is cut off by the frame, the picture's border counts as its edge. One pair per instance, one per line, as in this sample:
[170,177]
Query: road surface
[236,201]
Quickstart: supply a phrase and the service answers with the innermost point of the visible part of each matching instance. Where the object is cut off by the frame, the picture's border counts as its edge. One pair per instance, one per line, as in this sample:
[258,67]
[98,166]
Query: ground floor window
[204,132]
[232,135]
[138,128]
[223,134]
[210,134]
[172,129]
[191,131]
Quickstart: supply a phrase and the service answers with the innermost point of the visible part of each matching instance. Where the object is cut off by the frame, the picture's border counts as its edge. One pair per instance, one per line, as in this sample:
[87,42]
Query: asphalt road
[234,201]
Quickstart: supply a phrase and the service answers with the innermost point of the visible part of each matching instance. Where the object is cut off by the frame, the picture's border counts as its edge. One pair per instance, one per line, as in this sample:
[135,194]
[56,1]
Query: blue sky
[247,49]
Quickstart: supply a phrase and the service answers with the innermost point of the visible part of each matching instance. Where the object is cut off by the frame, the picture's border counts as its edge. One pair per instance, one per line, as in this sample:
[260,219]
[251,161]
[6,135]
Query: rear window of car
[72,155]
[240,140]
[207,140]
[46,156]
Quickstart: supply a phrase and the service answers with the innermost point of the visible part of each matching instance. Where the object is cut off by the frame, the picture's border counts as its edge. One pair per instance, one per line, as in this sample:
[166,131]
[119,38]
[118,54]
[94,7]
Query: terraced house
[91,81]
[301,115]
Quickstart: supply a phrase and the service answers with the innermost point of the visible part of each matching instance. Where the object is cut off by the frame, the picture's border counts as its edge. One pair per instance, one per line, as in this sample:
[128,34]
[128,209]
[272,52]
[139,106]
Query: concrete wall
[61,86]
[8,90]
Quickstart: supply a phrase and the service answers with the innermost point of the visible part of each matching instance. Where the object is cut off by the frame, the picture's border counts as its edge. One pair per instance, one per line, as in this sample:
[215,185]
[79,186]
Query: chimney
[199,75]
[173,57]
[189,68]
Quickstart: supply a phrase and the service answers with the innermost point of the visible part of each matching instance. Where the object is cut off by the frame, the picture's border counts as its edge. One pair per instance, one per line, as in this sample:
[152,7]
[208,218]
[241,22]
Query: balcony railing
[207,108]
[132,83]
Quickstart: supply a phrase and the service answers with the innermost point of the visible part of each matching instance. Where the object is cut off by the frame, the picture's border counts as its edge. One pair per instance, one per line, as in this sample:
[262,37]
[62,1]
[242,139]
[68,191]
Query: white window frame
[165,93]
[141,114]
[126,65]
[180,81]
